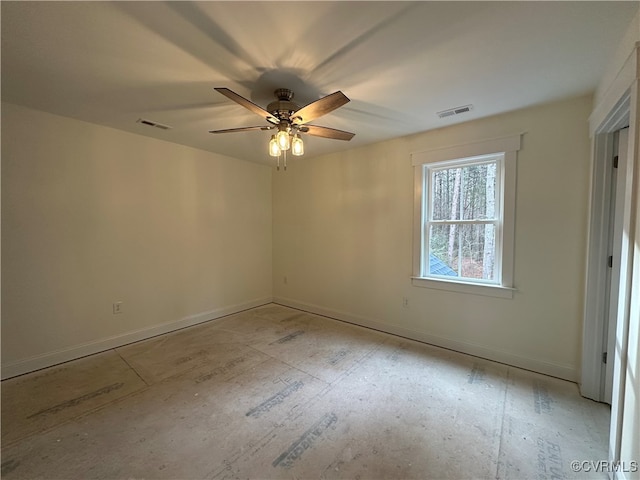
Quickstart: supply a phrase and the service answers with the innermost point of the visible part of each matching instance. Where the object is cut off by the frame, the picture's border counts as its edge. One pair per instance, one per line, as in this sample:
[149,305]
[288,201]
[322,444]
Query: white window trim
[509,146]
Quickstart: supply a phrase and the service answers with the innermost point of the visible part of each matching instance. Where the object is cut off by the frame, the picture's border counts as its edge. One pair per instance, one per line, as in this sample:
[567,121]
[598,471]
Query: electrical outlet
[405,302]
[117,308]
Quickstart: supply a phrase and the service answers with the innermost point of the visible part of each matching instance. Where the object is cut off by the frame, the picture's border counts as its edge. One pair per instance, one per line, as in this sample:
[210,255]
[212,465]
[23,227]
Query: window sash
[463,163]
[497,266]
[428,202]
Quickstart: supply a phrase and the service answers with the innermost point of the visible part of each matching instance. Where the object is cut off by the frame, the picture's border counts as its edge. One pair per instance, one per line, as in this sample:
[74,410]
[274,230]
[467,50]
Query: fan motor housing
[284,106]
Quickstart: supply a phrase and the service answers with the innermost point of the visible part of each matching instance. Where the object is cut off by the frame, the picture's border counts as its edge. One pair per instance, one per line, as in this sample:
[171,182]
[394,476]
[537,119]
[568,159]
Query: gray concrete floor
[277,393]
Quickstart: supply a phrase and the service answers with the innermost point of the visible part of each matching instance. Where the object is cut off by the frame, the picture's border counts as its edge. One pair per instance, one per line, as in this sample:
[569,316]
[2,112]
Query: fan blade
[327,132]
[319,107]
[241,129]
[249,105]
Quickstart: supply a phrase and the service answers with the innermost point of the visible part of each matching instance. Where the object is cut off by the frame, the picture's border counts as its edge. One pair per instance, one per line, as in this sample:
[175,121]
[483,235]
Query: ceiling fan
[290,119]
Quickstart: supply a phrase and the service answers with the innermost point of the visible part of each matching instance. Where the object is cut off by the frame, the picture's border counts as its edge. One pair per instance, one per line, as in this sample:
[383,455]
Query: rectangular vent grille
[455,111]
[153,124]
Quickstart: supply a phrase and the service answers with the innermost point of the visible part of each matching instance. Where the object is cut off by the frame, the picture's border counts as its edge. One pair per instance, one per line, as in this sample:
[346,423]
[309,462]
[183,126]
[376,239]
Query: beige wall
[92,215]
[343,240]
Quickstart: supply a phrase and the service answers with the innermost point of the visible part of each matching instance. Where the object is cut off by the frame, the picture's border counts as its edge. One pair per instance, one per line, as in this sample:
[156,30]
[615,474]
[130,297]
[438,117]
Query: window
[464,209]
[462,218]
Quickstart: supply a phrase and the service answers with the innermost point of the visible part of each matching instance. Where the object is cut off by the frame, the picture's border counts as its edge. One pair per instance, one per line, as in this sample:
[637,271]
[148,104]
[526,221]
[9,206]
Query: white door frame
[592,373]
[618,106]
[619,191]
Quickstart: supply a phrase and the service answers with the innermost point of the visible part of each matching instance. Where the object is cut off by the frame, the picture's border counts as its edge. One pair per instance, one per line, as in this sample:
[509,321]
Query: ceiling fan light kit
[290,120]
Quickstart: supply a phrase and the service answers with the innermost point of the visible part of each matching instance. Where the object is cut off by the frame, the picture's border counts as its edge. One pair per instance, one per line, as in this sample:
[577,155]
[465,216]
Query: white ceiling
[112,63]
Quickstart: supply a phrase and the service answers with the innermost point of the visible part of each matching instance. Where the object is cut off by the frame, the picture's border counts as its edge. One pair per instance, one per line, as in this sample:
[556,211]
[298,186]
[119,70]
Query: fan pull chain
[278,163]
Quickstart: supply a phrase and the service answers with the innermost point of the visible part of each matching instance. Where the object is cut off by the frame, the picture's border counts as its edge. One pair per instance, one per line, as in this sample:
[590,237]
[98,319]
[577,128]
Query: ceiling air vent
[455,111]
[153,124]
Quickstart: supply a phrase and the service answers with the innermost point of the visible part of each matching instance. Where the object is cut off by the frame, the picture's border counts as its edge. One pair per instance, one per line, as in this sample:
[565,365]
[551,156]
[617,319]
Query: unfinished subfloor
[274,392]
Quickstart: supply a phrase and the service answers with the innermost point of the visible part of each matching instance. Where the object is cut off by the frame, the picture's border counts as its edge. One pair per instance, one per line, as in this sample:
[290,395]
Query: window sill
[497,291]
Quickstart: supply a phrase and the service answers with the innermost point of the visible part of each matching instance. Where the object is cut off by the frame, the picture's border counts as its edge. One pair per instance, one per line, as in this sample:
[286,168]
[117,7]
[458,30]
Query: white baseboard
[49,359]
[12,369]
[565,372]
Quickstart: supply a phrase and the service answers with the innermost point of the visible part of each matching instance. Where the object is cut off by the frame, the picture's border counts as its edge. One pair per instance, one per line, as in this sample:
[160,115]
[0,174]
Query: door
[616,210]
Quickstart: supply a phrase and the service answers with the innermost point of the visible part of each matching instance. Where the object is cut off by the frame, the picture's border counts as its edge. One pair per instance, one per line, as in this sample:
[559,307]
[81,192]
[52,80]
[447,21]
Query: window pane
[445,194]
[479,191]
[465,251]
[464,192]
[477,251]
[443,250]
